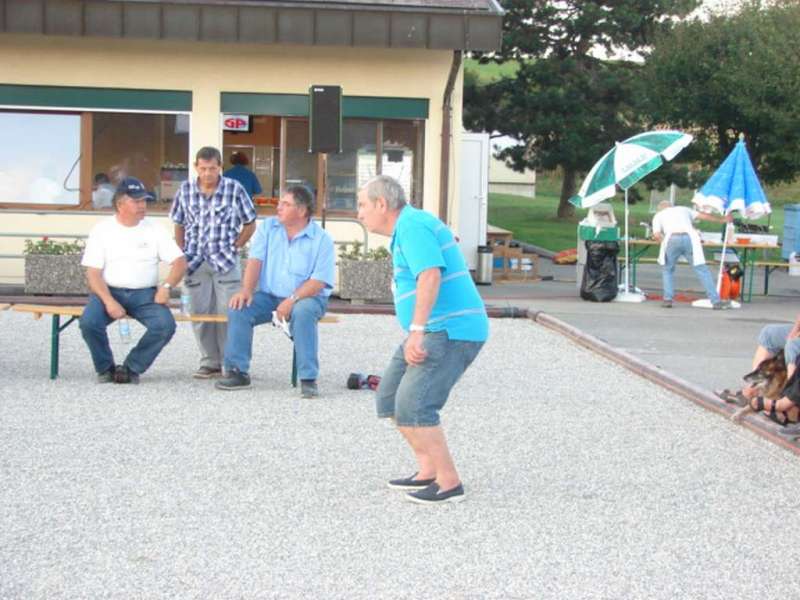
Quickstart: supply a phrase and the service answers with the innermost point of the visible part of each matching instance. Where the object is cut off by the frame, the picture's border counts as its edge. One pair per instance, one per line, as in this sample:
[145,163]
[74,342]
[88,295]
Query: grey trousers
[211,292]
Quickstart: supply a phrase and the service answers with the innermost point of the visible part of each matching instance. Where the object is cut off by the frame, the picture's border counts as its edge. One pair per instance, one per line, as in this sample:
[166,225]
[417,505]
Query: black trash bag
[600,273]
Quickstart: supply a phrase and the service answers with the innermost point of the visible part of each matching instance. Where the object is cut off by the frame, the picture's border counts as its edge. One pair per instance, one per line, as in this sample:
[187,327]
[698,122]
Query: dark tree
[567,104]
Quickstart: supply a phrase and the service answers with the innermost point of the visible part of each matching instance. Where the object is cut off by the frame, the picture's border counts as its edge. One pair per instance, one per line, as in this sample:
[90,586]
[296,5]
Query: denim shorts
[774,338]
[414,394]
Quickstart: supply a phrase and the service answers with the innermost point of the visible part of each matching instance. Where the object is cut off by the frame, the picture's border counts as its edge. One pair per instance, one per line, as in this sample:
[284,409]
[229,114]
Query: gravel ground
[583,481]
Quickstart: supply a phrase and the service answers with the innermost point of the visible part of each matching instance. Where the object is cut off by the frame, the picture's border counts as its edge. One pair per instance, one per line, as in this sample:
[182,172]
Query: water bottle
[124,331]
[186,303]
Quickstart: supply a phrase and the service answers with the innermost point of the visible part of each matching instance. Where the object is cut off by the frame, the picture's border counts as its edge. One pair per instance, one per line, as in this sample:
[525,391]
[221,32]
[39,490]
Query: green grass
[534,220]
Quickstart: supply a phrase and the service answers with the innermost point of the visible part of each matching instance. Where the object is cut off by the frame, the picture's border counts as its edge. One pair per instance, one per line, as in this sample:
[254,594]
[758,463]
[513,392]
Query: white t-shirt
[129,256]
[676,219]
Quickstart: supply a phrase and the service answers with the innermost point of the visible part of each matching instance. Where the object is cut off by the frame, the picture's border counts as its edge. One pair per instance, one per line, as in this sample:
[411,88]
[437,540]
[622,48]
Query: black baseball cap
[130,186]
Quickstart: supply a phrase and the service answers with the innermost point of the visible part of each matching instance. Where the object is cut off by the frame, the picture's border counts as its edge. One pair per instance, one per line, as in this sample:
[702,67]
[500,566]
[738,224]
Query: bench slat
[75,311]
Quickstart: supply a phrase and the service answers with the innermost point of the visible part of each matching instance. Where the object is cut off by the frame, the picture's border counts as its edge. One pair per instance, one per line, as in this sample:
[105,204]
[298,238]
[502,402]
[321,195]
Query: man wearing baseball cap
[121,259]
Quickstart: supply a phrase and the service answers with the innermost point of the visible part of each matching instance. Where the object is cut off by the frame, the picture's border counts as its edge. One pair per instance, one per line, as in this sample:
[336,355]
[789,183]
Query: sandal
[732,397]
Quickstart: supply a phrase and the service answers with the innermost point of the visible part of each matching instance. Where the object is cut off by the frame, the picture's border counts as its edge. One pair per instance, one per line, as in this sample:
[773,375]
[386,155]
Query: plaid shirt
[212,224]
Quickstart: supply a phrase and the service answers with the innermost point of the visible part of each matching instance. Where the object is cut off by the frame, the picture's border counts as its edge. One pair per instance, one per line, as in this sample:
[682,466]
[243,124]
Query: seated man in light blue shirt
[290,271]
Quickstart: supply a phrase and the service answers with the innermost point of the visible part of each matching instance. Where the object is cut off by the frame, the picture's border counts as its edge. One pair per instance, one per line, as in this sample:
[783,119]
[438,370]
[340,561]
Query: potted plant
[54,267]
[365,276]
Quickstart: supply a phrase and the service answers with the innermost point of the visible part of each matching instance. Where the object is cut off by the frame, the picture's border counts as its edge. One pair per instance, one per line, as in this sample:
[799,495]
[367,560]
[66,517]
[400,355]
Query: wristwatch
[167,285]
[294,298]
[414,327]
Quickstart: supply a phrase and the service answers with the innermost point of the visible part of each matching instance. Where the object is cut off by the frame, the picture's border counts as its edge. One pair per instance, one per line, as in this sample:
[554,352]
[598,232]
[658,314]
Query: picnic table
[640,247]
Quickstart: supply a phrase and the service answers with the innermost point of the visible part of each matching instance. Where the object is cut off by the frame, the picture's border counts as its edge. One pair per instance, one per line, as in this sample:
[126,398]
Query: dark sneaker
[721,305]
[107,376]
[124,375]
[234,380]
[432,495]
[308,388]
[409,483]
[207,373]
[666,304]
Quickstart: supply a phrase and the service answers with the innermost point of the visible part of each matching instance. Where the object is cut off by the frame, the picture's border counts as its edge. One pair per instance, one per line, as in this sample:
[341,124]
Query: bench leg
[55,335]
[55,331]
[294,367]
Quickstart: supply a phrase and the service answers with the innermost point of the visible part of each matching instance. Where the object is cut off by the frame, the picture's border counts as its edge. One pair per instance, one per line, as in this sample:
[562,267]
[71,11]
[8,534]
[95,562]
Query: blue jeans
[681,245]
[776,337]
[139,305]
[415,394]
[303,325]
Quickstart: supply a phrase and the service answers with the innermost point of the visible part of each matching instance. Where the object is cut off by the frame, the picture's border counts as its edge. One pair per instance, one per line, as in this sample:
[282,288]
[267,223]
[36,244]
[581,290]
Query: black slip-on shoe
[107,376]
[409,483]
[234,380]
[432,495]
[124,375]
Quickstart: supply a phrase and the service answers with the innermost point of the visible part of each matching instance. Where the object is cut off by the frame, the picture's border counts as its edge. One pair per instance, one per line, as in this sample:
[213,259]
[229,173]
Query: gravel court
[583,480]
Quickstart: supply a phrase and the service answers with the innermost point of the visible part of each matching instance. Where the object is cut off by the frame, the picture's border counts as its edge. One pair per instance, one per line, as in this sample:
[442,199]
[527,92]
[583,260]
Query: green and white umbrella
[625,164]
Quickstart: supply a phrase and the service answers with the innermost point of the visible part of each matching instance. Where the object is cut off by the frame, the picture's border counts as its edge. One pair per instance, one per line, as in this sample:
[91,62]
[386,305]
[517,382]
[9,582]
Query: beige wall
[207,69]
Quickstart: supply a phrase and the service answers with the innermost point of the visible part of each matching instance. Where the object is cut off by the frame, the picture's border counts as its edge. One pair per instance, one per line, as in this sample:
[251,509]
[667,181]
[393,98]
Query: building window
[351,169]
[40,155]
[76,159]
[152,148]
[277,149]
[401,156]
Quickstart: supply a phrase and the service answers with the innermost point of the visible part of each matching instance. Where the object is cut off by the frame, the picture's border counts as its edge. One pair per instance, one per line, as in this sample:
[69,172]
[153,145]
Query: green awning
[47,96]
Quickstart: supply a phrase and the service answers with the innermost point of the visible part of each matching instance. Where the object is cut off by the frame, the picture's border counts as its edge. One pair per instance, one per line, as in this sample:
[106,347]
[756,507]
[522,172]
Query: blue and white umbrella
[734,186]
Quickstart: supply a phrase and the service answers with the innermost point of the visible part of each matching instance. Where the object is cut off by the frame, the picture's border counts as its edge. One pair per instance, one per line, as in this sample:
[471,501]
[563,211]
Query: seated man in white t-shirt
[121,259]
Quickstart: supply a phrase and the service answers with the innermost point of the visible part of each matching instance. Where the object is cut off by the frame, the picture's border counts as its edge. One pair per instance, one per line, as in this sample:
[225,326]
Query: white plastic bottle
[124,330]
[186,303]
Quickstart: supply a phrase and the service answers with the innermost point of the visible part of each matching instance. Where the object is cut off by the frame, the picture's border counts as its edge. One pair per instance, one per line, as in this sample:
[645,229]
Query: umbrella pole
[627,256]
[722,259]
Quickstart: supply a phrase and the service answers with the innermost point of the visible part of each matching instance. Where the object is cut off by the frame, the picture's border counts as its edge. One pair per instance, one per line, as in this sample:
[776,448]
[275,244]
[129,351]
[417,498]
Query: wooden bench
[769,267]
[73,312]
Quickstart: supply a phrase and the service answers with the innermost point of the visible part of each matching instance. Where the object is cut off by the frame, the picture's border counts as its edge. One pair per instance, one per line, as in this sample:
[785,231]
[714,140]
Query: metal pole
[627,255]
[55,331]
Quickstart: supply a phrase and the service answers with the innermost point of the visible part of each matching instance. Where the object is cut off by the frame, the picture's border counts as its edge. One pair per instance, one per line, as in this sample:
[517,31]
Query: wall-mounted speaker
[325,118]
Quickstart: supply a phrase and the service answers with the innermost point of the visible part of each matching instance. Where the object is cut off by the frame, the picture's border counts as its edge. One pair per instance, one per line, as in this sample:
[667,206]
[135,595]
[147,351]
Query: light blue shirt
[420,241]
[289,264]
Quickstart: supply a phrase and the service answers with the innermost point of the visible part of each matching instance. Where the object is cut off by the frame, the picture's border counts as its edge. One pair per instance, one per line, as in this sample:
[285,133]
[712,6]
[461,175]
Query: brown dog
[768,378]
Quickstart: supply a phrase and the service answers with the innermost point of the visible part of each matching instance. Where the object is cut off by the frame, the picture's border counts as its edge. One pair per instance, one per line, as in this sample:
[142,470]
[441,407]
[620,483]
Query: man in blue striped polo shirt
[437,302]
[214,217]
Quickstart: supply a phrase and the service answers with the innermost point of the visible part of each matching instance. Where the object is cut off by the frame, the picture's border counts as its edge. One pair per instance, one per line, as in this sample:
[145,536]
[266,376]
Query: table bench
[73,312]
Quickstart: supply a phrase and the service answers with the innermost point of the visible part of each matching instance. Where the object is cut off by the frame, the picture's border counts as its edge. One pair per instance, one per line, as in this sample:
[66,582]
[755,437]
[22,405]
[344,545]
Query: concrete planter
[365,280]
[54,274]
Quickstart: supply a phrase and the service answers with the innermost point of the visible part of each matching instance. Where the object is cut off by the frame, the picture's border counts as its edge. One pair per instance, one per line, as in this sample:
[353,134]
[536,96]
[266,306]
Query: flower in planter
[51,247]
[379,253]
[53,267]
[365,276]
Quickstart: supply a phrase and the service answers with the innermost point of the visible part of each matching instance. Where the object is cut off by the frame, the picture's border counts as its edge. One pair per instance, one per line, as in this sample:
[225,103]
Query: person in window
[290,271]
[243,175]
[102,191]
[121,259]
[437,303]
[214,218]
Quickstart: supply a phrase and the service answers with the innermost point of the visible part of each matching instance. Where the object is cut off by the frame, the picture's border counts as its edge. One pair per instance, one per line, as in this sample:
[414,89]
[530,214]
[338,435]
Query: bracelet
[294,298]
[414,327]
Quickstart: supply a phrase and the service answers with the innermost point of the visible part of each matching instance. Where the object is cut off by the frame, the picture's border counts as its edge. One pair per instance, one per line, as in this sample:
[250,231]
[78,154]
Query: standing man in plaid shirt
[214,217]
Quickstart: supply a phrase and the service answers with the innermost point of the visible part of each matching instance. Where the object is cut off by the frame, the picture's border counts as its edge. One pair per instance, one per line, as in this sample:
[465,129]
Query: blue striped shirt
[212,224]
[420,241]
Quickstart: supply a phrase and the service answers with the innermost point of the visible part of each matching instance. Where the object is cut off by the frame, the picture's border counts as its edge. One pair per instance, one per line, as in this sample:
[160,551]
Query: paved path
[584,481]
